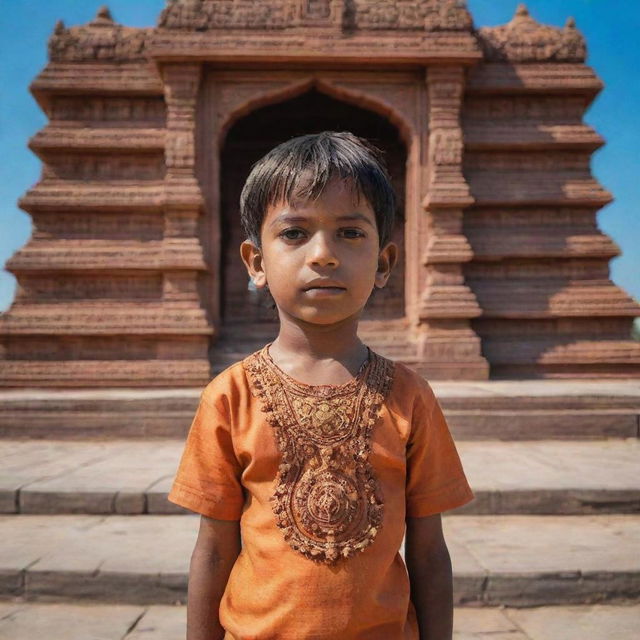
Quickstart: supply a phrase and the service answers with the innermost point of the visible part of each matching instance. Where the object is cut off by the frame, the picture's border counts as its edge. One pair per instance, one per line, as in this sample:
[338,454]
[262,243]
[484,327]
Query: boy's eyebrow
[289,218]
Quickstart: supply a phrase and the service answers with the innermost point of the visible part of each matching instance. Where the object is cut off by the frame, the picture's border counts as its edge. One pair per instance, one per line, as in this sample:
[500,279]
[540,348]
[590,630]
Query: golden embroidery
[326,500]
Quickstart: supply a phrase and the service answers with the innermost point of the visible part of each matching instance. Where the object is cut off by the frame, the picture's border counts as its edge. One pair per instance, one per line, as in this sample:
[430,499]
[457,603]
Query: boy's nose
[322,251]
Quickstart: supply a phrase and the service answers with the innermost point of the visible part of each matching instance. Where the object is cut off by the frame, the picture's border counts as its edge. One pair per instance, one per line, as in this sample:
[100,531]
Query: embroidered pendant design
[327,500]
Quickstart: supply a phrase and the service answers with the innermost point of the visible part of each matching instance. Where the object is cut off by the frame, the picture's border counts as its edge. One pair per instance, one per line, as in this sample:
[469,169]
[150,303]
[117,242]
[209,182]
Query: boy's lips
[324,291]
[330,285]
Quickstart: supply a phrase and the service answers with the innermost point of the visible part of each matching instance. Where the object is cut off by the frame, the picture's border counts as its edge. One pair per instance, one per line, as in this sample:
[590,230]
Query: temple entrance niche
[248,140]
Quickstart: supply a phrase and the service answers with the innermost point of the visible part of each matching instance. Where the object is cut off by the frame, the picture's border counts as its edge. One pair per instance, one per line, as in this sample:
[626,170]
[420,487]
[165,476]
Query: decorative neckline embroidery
[327,498]
[320,390]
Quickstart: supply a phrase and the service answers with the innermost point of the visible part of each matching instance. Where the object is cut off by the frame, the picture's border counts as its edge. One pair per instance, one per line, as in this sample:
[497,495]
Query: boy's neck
[333,351]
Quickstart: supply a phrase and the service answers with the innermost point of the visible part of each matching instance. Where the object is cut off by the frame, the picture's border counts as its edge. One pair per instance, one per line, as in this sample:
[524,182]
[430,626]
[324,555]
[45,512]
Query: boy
[315,449]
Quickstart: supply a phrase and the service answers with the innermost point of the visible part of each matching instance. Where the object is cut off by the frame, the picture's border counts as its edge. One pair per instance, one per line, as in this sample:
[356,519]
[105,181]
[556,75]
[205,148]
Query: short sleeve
[435,479]
[208,477]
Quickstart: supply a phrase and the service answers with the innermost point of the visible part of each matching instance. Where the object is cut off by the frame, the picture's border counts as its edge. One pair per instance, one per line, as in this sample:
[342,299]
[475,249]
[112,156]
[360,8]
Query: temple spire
[103,17]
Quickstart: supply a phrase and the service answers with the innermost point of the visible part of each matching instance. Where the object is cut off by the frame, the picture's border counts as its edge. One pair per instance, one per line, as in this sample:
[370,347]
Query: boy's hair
[302,167]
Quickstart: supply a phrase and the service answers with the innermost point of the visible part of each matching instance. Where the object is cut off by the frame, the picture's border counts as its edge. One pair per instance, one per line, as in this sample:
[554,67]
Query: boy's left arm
[429,566]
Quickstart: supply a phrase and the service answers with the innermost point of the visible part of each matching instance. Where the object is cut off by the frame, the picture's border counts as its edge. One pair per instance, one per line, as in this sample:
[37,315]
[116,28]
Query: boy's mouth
[325,285]
[322,289]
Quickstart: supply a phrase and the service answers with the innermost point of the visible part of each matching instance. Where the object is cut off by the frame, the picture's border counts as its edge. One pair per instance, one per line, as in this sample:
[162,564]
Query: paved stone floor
[28,621]
[554,522]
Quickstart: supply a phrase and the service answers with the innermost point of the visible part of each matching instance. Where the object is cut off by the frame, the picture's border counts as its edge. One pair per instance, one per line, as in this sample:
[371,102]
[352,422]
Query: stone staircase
[92,548]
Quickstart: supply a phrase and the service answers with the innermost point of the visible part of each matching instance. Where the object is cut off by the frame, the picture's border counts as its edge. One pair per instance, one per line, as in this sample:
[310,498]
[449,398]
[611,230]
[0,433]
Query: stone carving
[317,9]
[427,15]
[564,109]
[525,161]
[109,109]
[181,88]
[201,15]
[79,286]
[572,219]
[101,39]
[572,269]
[90,316]
[447,185]
[526,40]
[446,301]
[419,15]
[446,147]
[180,149]
[128,225]
[70,195]
[104,167]
[326,500]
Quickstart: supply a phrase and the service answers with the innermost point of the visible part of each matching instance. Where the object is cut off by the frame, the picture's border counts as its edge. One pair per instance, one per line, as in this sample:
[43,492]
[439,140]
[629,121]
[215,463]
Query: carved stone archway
[250,138]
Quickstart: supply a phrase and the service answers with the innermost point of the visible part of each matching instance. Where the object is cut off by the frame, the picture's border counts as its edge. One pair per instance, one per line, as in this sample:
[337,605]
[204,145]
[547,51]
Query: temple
[131,296]
[132,277]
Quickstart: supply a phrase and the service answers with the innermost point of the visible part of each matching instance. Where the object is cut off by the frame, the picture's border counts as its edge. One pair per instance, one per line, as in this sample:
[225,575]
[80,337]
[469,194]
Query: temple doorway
[248,140]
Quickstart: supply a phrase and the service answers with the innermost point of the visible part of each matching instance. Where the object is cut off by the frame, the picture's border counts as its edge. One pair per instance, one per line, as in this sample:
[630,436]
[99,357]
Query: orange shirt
[321,478]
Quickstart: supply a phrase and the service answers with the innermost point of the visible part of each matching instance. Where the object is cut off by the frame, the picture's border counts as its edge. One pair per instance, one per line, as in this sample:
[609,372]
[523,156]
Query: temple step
[513,79]
[109,256]
[68,195]
[497,560]
[130,139]
[134,476]
[532,135]
[104,317]
[542,242]
[476,410]
[69,375]
[94,77]
[518,188]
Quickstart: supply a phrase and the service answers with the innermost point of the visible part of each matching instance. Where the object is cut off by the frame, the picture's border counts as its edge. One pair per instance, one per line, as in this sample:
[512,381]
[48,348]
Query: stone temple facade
[132,276]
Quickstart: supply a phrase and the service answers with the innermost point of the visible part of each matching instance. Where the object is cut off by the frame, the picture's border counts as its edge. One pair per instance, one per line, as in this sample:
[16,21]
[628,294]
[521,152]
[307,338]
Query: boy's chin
[319,318]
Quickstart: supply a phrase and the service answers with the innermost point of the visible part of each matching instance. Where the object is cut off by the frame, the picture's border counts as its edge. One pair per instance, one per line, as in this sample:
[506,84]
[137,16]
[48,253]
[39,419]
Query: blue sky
[611,27]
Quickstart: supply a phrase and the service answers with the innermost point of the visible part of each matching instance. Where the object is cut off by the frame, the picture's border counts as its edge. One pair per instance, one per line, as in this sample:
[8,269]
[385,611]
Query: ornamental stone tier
[132,276]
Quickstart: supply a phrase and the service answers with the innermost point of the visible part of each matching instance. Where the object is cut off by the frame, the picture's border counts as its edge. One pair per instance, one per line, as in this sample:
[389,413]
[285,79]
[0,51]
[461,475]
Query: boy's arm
[429,566]
[215,551]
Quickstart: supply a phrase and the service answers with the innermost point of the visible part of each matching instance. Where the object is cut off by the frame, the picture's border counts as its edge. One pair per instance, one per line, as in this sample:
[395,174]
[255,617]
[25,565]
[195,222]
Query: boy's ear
[386,261]
[252,258]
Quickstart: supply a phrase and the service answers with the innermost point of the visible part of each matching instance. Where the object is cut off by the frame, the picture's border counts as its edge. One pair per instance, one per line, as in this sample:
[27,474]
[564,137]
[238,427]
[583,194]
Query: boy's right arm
[215,551]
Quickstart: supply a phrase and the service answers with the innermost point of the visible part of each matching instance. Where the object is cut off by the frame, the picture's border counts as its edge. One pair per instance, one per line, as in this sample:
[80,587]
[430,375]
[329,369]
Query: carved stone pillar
[183,198]
[448,347]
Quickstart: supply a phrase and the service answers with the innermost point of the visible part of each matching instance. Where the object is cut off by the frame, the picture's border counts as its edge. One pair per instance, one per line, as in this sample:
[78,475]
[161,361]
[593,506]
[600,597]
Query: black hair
[302,167]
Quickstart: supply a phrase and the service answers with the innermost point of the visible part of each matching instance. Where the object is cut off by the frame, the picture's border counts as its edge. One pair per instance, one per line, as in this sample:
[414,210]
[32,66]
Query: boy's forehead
[338,198]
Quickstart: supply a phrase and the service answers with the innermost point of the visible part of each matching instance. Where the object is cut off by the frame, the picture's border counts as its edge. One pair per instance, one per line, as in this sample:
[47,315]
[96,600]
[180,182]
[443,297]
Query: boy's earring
[251,286]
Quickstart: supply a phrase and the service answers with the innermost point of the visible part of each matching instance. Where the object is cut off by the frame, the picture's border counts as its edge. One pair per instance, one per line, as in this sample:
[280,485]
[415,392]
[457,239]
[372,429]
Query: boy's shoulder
[409,382]
[229,382]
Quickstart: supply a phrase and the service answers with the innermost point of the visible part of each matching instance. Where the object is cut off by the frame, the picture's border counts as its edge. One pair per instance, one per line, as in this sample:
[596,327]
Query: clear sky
[611,27]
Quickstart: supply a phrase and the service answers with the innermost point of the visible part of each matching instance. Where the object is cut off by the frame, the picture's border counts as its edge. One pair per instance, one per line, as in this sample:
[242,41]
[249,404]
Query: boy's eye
[353,233]
[292,234]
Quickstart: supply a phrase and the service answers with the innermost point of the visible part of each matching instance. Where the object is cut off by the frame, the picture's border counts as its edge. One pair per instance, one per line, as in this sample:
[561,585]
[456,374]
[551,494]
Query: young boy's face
[320,258]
